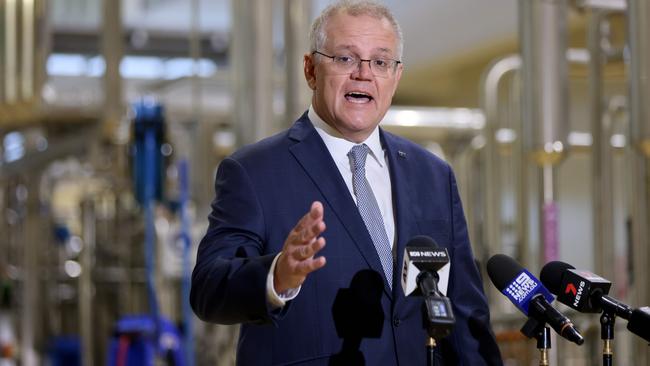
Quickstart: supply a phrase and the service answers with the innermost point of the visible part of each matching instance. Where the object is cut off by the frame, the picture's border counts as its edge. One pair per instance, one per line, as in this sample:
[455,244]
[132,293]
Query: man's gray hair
[318,35]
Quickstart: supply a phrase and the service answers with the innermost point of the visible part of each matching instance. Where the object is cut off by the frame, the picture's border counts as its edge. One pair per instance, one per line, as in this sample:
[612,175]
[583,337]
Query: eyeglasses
[345,64]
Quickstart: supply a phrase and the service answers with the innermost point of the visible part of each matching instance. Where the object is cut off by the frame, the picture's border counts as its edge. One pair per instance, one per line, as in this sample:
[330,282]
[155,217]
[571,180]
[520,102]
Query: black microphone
[587,293]
[529,296]
[639,322]
[422,259]
[421,254]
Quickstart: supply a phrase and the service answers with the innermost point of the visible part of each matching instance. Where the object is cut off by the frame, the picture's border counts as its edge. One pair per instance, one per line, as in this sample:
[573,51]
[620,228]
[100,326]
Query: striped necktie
[369,209]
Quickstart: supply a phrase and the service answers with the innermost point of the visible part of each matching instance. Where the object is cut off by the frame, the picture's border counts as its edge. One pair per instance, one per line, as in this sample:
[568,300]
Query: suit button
[396,321]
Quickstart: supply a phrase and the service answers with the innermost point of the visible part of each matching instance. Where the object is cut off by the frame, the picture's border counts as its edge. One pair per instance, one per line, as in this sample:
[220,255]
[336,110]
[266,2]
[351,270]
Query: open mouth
[358,97]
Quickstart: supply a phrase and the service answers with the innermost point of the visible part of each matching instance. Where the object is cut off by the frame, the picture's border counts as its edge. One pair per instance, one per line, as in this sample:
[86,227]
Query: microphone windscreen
[422,253]
[502,270]
[422,241]
[551,275]
[639,322]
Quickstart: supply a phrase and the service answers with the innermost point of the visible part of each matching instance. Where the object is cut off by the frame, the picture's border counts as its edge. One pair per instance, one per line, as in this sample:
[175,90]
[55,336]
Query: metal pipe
[639,46]
[544,37]
[639,19]
[43,46]
[27,59]
[520,166]
[490,88]
[252,69]
[490,103]
[11,52]
[85,284]
[31,273]
[187,314]
[203,156]
[490,84]
[547,65]
[112,50]
[195,54]
[492,193]
[297,15]
[601,153]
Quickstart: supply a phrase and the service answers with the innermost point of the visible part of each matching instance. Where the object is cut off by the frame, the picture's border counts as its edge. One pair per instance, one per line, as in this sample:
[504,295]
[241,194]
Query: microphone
[421,254]
[639,322]
[580,290]
[587,293]
[422,259]
[529,295]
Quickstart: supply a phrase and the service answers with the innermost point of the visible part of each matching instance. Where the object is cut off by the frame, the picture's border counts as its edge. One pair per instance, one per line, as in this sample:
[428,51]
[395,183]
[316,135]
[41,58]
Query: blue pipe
[151,157]
[188,317]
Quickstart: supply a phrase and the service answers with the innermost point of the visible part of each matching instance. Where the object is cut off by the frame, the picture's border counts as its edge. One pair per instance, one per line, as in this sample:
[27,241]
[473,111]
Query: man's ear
[310,70]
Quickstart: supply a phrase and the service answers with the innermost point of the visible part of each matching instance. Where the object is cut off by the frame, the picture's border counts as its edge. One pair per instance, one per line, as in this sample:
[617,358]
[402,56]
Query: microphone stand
[543,345]
[437,314]
[542,333]
[607,320]
[431,352]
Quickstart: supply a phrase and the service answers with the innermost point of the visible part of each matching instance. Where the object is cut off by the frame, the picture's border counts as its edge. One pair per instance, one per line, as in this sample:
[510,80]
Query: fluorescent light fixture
[581,139]
[505,135]
[448,118]
[618,140]
[131,67]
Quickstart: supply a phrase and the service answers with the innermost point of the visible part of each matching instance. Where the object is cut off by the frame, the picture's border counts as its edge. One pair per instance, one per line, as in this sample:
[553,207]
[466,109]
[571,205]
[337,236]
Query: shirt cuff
[274,299]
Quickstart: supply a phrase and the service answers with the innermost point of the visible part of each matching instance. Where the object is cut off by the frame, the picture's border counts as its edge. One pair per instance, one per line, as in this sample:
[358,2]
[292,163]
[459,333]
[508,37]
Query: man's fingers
[307,229]
[303,252]
[316,246]
[300,253]
[297,259]
[315,214]
[310,265]
[316,210]
[307,251]
[310,233]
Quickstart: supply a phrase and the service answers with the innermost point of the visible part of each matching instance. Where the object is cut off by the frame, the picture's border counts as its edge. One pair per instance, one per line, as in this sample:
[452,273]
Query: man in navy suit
[292,251]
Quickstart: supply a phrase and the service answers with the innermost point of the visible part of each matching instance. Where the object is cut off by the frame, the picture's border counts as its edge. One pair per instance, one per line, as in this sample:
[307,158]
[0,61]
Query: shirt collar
[337,144]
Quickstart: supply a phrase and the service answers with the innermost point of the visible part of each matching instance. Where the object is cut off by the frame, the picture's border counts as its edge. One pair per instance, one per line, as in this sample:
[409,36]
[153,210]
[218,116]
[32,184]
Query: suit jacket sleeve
[229,278]
[472,339]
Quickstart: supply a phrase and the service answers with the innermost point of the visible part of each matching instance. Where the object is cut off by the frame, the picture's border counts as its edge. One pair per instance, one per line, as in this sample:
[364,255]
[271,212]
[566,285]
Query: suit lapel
[311,153]
[398,162]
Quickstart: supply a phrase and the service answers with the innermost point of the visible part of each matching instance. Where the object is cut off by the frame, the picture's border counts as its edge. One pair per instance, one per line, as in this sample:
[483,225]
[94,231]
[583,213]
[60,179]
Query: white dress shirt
[378,177]
[377,172]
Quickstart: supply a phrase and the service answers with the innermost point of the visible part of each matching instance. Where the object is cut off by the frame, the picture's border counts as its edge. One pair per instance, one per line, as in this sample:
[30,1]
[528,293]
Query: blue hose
[150,233]
[188,317]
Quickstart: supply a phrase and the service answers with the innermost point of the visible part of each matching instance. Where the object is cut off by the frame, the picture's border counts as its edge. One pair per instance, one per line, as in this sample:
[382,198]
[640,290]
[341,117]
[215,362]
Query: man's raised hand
[297,258]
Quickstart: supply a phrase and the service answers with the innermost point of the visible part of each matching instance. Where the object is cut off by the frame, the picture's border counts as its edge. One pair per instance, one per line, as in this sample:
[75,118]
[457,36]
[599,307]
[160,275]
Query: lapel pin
[401,154]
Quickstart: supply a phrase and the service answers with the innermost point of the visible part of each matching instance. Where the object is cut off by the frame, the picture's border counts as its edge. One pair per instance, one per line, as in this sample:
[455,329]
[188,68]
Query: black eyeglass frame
[397,62]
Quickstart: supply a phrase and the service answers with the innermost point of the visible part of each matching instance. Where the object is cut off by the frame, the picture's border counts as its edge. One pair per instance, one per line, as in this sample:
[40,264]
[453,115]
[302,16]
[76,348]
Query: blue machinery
[140,340]
[148,180]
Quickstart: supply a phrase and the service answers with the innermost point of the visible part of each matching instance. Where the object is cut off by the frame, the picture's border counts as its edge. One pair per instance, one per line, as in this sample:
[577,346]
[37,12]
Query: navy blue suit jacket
[345,313]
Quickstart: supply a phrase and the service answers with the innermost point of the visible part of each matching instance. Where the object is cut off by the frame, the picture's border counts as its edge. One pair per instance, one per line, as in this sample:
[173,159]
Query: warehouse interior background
[115,114]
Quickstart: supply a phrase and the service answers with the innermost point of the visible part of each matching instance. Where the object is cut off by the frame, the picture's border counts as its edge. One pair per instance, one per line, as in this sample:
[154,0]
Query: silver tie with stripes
[369,209]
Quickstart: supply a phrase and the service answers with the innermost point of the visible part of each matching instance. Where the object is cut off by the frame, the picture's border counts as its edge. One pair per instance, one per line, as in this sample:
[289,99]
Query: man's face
[353,103]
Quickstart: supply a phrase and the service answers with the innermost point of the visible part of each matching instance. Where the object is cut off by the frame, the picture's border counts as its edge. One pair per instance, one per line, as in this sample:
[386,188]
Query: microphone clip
[538,330]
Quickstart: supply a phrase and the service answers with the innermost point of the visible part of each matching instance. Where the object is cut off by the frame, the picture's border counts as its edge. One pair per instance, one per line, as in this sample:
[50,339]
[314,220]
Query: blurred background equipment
[541,107]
